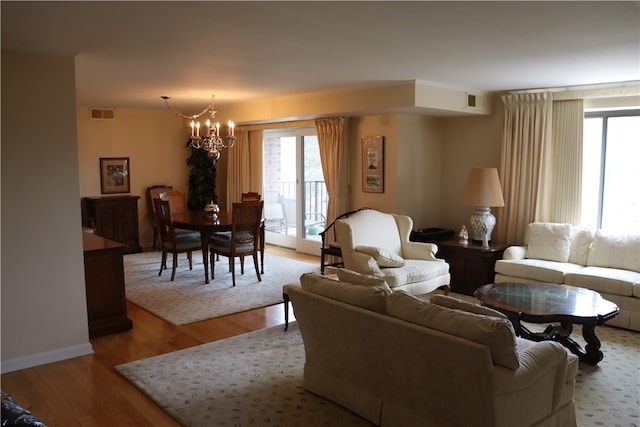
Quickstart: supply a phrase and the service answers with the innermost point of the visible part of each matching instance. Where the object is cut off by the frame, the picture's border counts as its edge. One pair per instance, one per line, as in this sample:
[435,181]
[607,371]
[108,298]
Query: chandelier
[211,141]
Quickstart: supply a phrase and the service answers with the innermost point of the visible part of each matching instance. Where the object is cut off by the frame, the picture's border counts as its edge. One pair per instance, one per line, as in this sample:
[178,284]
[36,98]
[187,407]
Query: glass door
[294,192]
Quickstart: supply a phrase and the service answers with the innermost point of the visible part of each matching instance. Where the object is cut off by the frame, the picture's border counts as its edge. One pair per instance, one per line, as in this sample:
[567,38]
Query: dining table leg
[204,240]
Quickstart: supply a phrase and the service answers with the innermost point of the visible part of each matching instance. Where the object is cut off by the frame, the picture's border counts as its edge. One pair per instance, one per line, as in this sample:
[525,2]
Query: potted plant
[202,179]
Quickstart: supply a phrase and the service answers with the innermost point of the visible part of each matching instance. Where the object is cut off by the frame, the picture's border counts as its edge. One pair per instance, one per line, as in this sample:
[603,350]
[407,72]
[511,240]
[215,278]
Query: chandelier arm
[210,107]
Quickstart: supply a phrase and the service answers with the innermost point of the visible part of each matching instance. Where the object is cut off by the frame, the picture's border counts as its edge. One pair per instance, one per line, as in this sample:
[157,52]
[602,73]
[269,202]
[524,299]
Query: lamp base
[482,223]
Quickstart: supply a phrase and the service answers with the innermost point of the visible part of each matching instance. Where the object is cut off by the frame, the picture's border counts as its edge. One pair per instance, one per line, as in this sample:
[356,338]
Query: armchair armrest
[364,264]
[514,252]
[420,250]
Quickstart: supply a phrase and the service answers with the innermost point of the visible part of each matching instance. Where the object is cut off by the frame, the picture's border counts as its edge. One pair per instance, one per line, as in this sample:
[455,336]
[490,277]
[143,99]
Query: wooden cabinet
[471,265]
[104,282]
[114,218]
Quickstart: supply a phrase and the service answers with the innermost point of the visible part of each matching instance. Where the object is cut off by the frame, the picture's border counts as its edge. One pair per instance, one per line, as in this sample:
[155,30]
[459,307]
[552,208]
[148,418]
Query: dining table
[206,223]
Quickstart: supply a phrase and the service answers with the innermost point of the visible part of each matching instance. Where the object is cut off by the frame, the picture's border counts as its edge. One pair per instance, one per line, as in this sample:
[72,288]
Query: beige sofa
[560,253]
[397,360]
[377,244]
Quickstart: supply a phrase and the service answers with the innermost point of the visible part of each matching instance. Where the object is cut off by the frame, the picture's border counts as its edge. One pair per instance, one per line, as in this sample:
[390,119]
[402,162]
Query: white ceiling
[131,53]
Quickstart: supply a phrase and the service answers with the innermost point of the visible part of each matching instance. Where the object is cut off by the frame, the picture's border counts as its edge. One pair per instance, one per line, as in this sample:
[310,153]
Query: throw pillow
[458,304]
[368,297]
[495,333]
[548,241]
[615,251]
[383,257]
[345,275]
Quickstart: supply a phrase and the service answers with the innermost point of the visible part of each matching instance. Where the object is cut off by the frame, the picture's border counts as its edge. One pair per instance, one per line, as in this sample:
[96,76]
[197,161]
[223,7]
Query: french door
[293,189]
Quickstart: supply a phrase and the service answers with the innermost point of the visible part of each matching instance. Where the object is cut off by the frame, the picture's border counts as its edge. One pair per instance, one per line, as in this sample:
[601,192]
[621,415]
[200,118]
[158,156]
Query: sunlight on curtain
[524,161]
[330,144]
[238,167]
[565,191]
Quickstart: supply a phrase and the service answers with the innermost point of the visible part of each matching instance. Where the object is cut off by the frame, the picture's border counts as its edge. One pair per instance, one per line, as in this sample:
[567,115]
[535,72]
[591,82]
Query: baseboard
[44,358]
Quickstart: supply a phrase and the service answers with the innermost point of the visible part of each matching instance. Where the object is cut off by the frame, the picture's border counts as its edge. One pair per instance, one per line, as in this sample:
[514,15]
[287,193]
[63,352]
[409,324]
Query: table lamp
[483,191]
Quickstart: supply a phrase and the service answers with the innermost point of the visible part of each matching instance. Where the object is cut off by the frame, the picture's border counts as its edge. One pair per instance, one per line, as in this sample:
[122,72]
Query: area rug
[255,379]
[188,299]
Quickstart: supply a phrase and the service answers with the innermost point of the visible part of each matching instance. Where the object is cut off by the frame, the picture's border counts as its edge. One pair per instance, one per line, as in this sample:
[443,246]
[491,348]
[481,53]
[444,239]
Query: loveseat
[400,360]
[560,253]
[377,243]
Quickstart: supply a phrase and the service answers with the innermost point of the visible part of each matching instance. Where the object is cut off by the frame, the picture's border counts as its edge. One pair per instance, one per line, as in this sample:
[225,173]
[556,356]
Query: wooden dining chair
[153,192]
[242,241]
[250,197]
[170,241]
[177,200]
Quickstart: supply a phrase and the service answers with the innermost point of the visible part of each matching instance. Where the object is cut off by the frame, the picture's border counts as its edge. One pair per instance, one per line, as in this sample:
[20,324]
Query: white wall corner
[47,357]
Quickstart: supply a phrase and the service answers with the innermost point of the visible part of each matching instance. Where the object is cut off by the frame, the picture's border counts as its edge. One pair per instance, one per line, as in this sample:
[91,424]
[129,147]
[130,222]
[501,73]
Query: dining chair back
[172,242]
[153,192]
[243,239]
[177,200]
[250,197]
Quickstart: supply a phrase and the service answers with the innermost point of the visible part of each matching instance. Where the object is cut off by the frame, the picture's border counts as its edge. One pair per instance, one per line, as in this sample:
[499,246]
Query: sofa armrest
[543,359]
[420,250]
[514,252]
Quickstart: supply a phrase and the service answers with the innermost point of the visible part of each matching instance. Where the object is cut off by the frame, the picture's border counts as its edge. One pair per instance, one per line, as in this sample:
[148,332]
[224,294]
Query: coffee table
[548,302]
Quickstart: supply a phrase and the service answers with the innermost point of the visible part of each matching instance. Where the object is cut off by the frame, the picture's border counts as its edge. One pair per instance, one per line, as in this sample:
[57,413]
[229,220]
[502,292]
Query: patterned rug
[188,299]
[255,379]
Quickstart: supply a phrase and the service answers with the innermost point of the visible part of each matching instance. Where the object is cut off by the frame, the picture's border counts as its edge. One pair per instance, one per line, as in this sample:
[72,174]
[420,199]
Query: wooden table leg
[204,240]
[285,297]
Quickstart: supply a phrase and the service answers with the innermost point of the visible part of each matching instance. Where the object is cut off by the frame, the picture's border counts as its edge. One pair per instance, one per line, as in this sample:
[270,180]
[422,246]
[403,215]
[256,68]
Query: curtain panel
[330,140]
[238,167]
[524,162]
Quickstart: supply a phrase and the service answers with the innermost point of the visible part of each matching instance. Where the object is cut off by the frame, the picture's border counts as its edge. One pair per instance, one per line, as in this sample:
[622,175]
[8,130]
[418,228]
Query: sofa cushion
[495,333]
[581,238]
[549,241]
[383,257]
[602,279]
[368,297]
[536,269]
[458,304]
[615,251]
[346,275]
[414,271]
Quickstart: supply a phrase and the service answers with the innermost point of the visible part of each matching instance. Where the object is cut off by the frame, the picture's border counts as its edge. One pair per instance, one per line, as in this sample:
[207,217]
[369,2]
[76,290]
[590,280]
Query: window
[611,171]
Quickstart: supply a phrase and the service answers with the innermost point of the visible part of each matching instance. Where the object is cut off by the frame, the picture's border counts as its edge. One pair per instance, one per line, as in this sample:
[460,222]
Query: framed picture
[373,164]
[114,175]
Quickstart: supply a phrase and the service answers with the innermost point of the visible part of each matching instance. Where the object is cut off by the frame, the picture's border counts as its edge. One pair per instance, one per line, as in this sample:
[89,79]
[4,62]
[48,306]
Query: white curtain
[524,165]
[566,189]
[330,143]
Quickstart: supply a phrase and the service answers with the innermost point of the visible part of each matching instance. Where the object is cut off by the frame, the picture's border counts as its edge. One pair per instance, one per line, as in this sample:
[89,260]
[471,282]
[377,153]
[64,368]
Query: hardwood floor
[87,391]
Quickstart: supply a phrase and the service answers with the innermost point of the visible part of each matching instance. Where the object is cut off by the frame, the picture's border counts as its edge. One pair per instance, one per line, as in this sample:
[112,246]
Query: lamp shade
[483,188]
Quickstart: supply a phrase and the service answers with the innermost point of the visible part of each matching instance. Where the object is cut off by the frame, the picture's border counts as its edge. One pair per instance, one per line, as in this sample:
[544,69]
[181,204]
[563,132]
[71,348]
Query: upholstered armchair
[377,244]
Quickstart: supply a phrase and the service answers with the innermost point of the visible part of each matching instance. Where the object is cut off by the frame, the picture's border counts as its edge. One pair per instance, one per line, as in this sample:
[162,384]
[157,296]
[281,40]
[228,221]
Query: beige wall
[153,140]
[467,142]
[44,314]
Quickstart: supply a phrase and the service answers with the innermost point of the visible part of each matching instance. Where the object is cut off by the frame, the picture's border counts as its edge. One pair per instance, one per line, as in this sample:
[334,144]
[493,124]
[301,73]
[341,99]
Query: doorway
[295,195]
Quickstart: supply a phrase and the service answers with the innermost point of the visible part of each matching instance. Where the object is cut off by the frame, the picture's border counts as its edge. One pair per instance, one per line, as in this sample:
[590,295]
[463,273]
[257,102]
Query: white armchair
[377,244]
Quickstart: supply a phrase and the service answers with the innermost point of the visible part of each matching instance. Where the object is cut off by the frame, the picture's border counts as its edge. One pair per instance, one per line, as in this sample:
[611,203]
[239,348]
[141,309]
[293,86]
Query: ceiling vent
[102,113]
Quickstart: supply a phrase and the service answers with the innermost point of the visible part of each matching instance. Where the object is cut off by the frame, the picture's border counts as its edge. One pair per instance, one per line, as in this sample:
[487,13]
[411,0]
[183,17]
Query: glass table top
[546,298]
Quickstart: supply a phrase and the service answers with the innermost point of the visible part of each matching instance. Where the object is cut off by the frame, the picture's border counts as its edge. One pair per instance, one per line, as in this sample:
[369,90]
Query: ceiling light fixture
[212,141]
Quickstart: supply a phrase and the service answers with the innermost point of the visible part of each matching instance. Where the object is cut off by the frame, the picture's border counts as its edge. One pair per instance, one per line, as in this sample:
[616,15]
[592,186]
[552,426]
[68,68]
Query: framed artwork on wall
[114,175]
[373,164]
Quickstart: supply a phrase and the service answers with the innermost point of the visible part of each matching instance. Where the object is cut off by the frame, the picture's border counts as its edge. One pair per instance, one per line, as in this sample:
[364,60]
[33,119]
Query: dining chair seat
[170,241]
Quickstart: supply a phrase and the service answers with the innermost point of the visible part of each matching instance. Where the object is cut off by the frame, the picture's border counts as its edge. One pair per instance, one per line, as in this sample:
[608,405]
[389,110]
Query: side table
[471,265]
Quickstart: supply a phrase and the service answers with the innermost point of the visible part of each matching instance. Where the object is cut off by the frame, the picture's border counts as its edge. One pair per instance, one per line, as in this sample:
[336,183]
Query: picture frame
[114,175]
[373,164]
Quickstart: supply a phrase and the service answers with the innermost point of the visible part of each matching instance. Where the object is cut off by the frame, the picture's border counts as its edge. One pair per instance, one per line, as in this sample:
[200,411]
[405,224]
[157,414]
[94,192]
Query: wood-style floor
[87,390]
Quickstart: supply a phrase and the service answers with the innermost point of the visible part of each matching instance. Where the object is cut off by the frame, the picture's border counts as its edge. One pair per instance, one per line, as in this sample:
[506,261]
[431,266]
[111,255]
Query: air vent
[471,101]
[102,113]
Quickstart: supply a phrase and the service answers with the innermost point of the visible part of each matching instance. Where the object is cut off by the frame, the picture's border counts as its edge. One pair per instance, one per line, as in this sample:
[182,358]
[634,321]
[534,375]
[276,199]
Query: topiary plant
[202,179]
